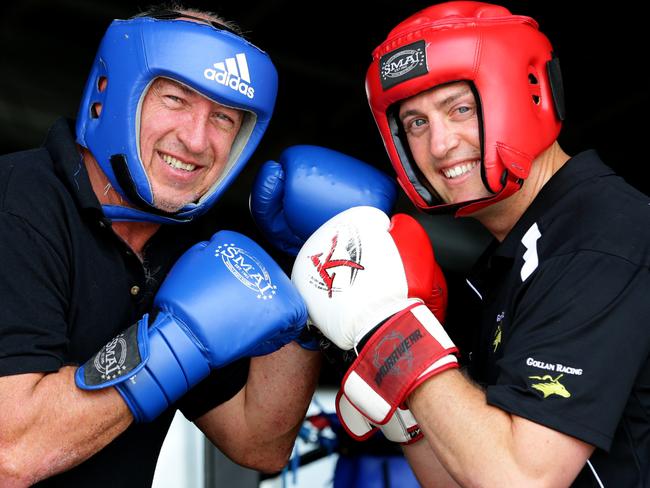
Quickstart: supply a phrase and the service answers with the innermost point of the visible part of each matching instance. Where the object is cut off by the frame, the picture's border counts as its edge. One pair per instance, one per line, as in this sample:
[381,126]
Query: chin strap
[118,213]
[510,187]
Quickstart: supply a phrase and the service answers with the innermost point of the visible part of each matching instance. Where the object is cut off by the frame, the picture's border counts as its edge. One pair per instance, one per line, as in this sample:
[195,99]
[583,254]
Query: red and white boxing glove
[365,278]
[401,427]
[431,287]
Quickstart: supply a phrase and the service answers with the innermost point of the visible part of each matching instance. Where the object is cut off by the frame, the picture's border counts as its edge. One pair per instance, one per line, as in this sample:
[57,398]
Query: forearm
[49,425]
[427,467]
[471,439]
[279,389]
[274,402]
[481,445]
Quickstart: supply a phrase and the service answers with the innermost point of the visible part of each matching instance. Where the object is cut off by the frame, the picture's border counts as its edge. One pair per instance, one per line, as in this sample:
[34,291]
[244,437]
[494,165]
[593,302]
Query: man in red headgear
[555,389]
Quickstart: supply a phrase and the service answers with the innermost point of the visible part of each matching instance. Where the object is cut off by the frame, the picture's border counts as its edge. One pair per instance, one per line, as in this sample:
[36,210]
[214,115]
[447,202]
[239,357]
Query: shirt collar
[68,163]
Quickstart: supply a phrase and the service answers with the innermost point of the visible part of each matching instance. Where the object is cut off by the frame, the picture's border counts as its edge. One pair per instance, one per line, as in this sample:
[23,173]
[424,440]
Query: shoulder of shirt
[29,183]
[607,216]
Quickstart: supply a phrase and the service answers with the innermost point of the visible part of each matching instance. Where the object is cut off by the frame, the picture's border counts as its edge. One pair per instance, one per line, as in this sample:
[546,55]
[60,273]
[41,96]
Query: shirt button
[135,289]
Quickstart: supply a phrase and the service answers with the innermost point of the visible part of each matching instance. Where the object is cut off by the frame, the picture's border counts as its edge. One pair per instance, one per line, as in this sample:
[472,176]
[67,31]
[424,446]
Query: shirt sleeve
[33,283]
[220,386]
[577,341]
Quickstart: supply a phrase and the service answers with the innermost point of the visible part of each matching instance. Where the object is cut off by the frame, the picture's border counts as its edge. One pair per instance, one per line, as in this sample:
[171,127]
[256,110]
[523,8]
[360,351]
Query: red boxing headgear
[514,74]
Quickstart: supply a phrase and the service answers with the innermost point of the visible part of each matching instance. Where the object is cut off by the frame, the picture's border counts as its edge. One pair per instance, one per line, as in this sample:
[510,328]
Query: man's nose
[442,139]
[193,132]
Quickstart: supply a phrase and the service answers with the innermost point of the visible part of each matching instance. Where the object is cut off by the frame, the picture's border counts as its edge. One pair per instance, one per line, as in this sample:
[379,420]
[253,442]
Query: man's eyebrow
[180,86]
[439,104]
[408,113]
[453,97]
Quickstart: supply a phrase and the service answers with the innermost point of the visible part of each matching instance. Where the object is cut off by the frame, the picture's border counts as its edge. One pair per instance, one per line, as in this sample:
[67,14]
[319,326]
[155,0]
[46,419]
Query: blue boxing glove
[223,300]
[293,197]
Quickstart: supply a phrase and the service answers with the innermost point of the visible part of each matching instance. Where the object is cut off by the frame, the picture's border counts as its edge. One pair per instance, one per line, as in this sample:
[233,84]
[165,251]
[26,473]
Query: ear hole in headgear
[102,83]
[95,110]
[96,107]
[534,87]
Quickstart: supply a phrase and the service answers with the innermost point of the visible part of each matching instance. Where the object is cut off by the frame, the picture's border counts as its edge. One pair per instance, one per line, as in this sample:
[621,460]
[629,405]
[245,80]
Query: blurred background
[322,51]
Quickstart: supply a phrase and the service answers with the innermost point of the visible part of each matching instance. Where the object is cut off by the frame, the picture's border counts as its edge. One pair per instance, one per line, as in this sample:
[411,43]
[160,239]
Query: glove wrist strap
[393,359]
[163,364]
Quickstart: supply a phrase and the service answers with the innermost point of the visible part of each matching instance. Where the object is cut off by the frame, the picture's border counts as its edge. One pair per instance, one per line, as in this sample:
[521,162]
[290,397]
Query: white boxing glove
[353,278]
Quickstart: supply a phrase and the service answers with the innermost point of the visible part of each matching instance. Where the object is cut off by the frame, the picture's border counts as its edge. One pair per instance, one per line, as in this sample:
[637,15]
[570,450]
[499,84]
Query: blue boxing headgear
[216,63]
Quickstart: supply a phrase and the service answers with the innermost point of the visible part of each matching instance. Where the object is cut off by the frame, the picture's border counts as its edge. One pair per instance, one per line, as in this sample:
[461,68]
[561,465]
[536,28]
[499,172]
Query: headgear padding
[511,67]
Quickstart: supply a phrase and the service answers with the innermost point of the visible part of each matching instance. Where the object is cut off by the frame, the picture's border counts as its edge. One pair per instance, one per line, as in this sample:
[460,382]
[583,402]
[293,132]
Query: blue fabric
[374,472]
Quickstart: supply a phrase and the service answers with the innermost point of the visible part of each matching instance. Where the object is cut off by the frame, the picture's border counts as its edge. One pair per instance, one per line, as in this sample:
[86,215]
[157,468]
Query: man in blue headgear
[112,317]
[144,58]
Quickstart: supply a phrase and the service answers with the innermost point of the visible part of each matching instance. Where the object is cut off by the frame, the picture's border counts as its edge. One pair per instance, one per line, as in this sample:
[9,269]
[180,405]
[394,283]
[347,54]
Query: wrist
[441,380]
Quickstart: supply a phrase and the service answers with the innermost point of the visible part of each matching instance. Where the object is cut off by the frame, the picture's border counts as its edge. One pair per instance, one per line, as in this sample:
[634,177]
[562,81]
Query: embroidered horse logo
[550,386]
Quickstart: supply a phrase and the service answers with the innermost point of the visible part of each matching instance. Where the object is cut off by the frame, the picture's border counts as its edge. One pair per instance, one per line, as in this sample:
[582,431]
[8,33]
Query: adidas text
[233,73]
[231,81]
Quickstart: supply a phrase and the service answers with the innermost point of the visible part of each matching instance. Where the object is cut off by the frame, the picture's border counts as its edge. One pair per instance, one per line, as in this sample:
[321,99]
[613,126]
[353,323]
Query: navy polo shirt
[69,284]
[565,325]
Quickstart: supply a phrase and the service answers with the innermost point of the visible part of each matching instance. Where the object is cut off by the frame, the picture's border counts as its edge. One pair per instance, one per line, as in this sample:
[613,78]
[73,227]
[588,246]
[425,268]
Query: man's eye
[465,110]
[414,124]
[224,120]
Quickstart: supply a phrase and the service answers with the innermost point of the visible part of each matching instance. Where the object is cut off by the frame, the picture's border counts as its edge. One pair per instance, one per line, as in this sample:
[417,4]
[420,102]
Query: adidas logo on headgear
[233,73]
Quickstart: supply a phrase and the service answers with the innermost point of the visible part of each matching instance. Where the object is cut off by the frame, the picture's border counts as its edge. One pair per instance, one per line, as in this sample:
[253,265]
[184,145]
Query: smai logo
[109,362]
[403,64]
[248,270]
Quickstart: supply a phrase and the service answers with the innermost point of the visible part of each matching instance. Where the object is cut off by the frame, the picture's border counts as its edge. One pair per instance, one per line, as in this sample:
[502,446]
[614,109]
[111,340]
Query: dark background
[322,50]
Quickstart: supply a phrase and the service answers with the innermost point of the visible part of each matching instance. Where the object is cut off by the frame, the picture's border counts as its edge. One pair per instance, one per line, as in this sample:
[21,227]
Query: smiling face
[442,130]
[185,140]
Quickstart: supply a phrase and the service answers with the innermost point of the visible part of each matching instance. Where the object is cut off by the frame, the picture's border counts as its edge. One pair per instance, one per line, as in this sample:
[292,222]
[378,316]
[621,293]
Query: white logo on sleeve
[531,260]
[233,73]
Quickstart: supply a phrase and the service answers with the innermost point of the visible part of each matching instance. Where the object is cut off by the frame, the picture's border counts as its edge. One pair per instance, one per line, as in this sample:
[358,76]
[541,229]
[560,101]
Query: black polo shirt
[565,334]
[68,284]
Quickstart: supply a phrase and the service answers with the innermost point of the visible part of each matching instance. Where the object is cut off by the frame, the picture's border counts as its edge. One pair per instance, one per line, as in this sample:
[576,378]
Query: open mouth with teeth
[176,163]
[459,170]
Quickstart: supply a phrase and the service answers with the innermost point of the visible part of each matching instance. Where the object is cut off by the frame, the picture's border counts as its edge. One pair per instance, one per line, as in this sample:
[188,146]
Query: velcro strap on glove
[123,356]
[402,426]
[410,344]
[161,363]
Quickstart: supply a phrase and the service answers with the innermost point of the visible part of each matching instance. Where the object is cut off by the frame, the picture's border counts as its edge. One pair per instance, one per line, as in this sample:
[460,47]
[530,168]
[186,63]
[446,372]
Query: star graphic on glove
[324,267]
